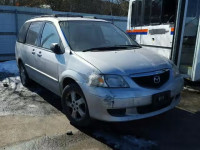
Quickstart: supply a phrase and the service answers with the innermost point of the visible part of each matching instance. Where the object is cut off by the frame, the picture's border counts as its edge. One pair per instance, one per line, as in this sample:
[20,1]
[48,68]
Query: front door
[48,61]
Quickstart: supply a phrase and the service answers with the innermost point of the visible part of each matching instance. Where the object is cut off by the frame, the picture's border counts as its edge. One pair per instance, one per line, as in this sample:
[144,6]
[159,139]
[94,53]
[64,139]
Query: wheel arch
[67,81]
[69,77]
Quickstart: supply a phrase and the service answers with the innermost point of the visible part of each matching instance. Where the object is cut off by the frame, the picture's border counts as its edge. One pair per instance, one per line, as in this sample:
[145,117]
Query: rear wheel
[75,106]
[23,75]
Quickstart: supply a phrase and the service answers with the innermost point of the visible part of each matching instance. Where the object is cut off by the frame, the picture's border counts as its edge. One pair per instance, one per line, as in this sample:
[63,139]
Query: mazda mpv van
[96,69]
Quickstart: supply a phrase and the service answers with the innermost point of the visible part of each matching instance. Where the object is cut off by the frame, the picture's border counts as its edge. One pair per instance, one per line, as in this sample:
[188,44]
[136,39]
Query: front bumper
[101,100]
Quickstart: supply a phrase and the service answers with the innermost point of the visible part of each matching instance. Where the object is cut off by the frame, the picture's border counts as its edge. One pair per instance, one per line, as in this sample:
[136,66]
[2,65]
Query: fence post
[16,22]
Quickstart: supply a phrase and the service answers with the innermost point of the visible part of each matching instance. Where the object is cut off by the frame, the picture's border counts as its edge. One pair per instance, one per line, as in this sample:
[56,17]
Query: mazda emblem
[156,79]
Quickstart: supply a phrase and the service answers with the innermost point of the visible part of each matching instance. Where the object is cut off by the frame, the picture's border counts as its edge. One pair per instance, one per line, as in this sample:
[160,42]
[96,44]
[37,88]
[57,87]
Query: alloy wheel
[76,105]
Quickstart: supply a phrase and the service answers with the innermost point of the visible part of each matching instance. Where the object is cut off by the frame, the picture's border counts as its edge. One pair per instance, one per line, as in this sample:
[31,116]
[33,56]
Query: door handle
[33,51]
[39,54]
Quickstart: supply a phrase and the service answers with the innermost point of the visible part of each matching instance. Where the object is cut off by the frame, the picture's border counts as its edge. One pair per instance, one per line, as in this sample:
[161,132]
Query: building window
[156,11]
[147,12]
[169,11]
[139,13]
[133,15]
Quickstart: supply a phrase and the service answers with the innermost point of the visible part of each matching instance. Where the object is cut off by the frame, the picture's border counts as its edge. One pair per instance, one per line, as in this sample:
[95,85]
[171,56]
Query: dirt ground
[31,118]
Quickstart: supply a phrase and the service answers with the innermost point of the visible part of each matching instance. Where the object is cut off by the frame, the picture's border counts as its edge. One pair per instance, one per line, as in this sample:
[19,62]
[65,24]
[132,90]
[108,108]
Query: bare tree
[109,7]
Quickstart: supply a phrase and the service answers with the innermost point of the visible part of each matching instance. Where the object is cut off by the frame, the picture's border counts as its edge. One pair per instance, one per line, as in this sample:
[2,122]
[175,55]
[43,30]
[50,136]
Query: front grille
[153,81]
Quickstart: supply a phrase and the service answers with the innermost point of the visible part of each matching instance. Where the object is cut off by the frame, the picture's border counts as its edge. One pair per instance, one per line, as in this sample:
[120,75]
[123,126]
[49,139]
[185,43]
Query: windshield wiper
[129,46]
[110,48]
[102,48]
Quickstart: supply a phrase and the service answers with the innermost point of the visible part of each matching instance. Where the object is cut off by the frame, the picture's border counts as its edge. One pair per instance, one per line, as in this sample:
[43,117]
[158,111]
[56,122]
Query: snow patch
[32,106]
[12,82]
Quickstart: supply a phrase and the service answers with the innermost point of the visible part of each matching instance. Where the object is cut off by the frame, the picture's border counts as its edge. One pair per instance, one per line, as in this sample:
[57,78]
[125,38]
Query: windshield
[85,35]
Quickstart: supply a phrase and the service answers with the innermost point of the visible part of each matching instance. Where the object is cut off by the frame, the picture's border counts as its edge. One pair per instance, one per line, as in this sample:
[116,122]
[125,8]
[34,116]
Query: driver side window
[49,36]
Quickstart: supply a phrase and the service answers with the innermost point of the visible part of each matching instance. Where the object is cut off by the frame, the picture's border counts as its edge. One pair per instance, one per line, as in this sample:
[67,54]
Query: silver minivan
[96,69]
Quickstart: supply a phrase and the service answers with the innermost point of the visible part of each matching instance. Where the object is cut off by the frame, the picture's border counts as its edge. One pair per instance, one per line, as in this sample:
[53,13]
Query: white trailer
[170,28]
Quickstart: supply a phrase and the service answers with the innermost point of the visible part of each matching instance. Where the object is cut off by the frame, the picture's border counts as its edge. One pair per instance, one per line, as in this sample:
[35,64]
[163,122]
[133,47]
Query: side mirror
[56,48]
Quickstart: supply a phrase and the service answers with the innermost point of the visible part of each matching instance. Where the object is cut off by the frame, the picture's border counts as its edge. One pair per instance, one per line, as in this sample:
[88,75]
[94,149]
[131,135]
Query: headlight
[175,69]
[113,81]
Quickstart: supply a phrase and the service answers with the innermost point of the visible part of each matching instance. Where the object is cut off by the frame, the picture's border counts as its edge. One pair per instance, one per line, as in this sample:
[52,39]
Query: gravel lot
[31,118]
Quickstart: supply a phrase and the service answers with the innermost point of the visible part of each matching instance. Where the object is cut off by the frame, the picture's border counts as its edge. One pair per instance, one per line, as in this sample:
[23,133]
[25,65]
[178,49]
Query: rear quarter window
[22,33]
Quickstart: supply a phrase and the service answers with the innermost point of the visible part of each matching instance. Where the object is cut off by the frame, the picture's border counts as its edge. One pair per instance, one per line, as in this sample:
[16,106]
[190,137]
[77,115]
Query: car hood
[125,62]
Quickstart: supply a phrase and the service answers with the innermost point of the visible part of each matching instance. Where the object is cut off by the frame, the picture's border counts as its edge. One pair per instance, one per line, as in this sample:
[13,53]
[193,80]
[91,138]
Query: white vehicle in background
[169,28]
[151,24]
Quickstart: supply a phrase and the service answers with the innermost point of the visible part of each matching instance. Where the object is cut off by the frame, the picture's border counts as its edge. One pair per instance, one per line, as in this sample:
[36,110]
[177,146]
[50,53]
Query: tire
[25,80]
[75,106]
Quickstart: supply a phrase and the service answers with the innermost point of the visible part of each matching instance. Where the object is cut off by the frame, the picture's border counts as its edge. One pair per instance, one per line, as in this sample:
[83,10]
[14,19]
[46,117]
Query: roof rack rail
[90,17]
[44,16]
[67,15]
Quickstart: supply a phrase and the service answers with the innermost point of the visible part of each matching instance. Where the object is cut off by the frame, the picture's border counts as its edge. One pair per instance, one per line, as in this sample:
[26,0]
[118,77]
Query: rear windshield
[82,35]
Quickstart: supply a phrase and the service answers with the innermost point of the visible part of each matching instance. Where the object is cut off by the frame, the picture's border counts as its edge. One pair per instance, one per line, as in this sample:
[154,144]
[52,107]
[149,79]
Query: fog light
[117,112]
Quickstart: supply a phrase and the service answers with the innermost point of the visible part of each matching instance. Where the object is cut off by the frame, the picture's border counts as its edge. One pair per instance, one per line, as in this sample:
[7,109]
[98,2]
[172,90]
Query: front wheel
[75,106]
